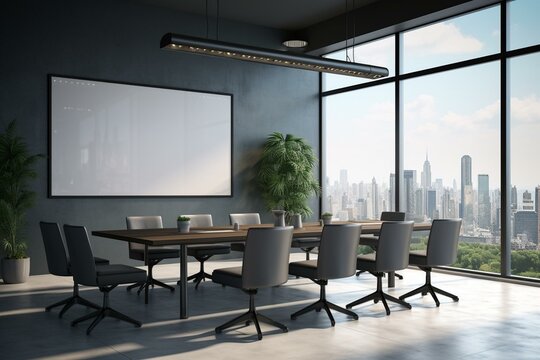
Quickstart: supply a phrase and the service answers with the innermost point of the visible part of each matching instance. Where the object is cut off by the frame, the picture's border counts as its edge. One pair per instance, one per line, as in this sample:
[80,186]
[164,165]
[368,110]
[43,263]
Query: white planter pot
[183,226]
[15,271]
[327,220]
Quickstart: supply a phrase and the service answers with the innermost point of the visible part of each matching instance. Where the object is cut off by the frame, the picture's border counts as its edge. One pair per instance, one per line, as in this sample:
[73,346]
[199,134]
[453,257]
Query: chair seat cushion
[306,268]
[231,276]
[238,247]
[118,274]
[366,262]
[208,250]
[305,242]
[100,261]
[155,253]
[418,257]
[369,240]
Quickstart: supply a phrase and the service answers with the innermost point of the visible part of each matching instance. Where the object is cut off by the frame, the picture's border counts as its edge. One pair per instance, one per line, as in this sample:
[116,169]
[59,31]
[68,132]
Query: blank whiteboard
[111,139]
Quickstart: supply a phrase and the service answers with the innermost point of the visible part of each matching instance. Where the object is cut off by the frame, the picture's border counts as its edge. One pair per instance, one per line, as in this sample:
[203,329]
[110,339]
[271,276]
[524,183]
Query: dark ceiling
[324,23]
[290,15]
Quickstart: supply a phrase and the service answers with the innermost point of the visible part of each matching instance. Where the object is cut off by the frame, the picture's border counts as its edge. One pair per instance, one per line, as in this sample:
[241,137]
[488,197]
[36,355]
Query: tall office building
[537,207]
[513,198]
[432,204]
[448,205]
[375,199]
[467,196]
[526,222]
[419,203]
[484,203]
[392,193]
[343,181]
[409,187]
[344,201]
[527,201]
[426,185]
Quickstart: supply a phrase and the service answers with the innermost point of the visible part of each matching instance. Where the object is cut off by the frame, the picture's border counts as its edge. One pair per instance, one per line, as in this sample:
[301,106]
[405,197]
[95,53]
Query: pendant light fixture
[254,54]
[209,47]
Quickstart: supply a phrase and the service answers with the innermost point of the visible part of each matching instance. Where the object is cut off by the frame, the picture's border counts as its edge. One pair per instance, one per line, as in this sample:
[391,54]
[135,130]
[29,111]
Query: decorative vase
[296,220]
[15,271]
[183,226]
[279,218]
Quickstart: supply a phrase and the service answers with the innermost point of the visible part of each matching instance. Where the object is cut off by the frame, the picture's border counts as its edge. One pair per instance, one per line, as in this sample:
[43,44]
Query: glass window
[451,123]
[524,27]
[358,145]
[524,97]
[457,39]
[379,52]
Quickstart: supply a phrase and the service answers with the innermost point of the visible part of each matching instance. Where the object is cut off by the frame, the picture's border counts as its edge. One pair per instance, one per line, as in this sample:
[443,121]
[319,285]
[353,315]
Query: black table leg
[146,263]
[183,282]
[392,279]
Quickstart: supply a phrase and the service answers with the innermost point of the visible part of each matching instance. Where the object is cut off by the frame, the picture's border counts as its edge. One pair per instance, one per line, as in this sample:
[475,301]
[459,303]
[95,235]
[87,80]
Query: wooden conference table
[214,235]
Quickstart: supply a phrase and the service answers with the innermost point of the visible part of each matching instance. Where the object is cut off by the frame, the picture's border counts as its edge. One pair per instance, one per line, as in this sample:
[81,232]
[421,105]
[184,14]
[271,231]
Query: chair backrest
[337,251]
[392,216]
[245,219]
[393,246]
[266,257]
[57,258]
[200,220]
[443,242]
[82,265]
[142,222]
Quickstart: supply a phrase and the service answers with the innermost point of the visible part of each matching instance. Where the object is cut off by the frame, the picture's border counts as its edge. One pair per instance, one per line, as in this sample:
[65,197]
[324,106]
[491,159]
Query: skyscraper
[526,222]
[484,203]
[467,198]
[426,185]
[514,198]
[392,193]
[537,207]
[375,199]
[432,204]
[527,201]
[409,186]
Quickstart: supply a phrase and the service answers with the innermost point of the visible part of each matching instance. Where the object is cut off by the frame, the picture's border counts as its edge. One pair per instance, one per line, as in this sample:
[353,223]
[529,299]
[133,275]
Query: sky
[446,115]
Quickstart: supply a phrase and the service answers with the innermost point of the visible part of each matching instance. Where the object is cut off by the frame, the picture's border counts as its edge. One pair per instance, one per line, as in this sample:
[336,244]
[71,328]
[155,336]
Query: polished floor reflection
[492,320]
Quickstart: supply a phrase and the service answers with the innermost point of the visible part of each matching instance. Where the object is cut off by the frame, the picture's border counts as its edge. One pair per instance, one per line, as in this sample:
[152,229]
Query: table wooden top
[221,234]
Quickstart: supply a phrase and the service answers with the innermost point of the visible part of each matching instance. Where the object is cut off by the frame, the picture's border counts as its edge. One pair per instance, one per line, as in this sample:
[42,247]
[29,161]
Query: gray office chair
[266,258]
[155,254]
[336,259]
[106,277]
[371,239]
[243,219]
[441,250]
[203,252]
[392,254]
[58,264]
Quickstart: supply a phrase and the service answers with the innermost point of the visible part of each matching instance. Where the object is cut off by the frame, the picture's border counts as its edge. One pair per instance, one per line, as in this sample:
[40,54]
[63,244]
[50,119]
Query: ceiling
[287,15]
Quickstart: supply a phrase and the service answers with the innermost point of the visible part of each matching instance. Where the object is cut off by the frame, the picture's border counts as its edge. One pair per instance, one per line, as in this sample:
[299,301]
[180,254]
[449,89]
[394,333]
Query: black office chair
[266,258]
[203,252]
[392,254]
[243,219]
[59,264]
[336,259]
[371,239]
[106,277]
[155,254]
[441,250]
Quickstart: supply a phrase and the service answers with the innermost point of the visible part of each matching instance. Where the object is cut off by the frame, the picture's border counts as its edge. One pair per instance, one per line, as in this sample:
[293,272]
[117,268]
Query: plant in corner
[285,174]
[16,169]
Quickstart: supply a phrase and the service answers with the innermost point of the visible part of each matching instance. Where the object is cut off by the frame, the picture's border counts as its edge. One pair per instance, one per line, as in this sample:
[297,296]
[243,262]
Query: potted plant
[183,224]
[16,169]
[327,218]
[285,174]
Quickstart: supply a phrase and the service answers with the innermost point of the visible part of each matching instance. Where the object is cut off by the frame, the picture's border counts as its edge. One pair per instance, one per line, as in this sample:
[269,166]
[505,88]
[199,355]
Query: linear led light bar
[266,56]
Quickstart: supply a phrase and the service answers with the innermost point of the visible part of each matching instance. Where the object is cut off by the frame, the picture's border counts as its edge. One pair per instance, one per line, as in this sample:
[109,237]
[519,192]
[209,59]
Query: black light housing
[273,57]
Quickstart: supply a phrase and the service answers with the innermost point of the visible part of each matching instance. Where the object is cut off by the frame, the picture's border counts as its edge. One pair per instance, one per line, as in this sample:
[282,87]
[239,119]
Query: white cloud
[486,116]
[441,38]
[423,107]
[526,110]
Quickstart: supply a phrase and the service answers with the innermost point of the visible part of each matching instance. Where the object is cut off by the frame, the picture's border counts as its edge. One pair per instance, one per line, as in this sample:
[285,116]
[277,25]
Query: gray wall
[119,41]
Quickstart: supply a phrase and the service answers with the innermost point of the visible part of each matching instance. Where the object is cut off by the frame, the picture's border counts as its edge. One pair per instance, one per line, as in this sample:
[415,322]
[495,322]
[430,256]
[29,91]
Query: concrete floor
[492,320]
